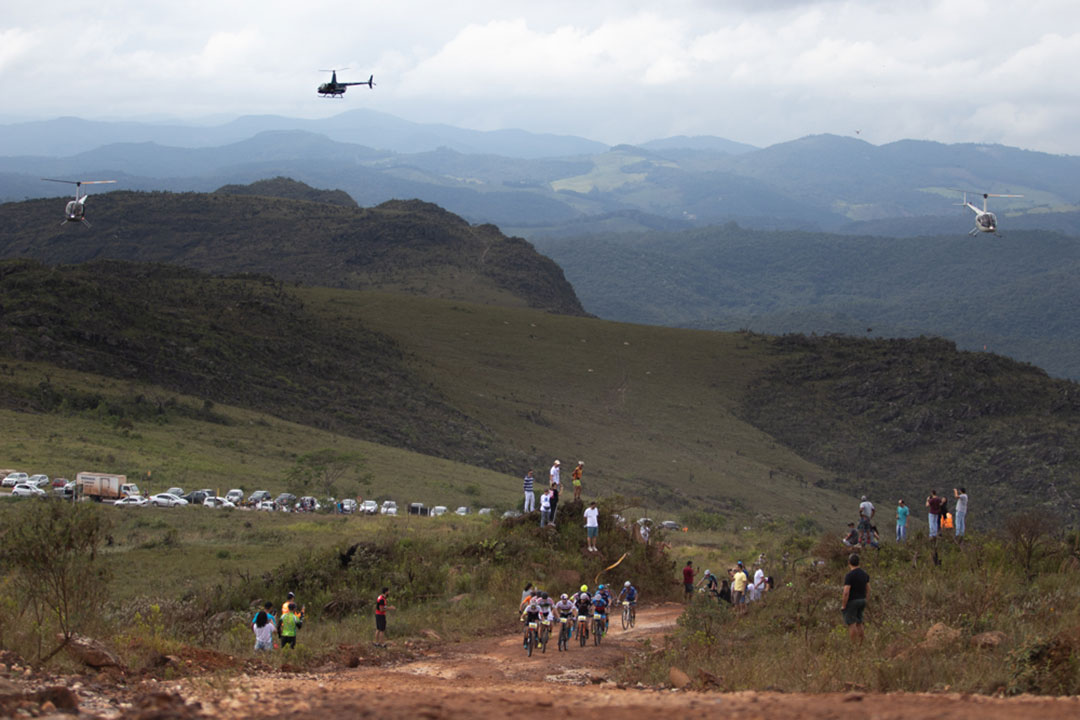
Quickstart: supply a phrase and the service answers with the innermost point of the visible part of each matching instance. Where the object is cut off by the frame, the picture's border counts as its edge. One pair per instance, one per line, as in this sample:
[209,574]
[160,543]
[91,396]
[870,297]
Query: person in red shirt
[688,579]
[381,607]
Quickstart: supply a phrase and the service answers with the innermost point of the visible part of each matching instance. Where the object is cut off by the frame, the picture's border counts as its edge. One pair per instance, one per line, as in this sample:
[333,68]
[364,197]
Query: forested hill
[406,246]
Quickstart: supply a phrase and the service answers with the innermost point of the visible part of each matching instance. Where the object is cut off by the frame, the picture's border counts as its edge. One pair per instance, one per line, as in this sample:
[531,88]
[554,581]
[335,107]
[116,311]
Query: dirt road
[493,678]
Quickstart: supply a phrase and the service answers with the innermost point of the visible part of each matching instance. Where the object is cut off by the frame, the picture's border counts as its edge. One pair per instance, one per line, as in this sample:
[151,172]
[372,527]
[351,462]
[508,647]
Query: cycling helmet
[563,597]
[599,587]
[626,584]
[584,588]
[544,595]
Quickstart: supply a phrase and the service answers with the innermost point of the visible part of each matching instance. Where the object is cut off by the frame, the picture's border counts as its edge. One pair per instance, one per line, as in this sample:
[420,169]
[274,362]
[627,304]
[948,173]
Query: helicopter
[76,209]
[337,89]
[985,221]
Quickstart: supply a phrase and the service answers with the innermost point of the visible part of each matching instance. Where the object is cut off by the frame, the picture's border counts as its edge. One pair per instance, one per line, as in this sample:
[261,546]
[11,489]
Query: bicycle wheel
[544,637]
[598,628]
[633,615]
[583,633]
[625,617]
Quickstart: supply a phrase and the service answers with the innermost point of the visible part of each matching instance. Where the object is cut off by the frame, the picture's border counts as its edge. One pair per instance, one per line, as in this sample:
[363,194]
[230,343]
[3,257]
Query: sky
[617,71]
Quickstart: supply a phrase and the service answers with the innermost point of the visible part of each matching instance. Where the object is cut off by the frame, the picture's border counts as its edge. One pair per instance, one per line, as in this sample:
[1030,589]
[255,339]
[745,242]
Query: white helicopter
[985,221]
[76,209]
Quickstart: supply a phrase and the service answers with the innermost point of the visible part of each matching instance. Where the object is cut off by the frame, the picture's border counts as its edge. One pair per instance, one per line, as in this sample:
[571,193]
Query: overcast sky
[756,71]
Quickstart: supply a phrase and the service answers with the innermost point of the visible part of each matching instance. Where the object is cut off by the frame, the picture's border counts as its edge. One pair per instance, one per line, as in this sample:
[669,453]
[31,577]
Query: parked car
[213,501]
[258,496]
[348,506]
[235,496]
[131,500]
[369,507]
[308,504]
[167,500]
[670,525]
[67,491]
[27,490]
[196,497]
[178,492]
[267,505]
[41,481]
[389,507]
[14,479]
[511,514]
[485,511]
[417,509]
[285,500]
[438,510]
[462,511]
[59,482]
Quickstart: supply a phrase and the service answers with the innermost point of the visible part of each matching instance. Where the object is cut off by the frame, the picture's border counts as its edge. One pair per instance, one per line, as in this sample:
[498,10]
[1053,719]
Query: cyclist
[583,601]
[628,593]
[605,591]
[546,604]
[531,614]
[600,605]
[567,609]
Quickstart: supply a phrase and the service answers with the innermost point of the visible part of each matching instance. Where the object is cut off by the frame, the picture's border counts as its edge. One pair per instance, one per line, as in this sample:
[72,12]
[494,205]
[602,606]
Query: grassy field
[650,410]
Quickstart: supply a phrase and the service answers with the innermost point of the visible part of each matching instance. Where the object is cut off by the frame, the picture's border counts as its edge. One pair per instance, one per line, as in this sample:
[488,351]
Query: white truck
[103,486]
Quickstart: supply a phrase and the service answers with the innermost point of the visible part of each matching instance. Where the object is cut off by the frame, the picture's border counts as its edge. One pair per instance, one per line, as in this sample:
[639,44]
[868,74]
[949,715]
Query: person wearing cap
[291,598]
[556,485]
[576,479]
[739,581]
[709,582]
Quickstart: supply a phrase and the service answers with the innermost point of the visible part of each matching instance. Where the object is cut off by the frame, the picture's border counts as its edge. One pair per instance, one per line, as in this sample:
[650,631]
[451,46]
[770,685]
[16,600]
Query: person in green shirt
[902,511]
[290,623]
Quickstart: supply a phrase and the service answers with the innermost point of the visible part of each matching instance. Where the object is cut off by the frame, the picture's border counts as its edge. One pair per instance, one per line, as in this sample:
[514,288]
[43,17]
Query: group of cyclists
[586,613]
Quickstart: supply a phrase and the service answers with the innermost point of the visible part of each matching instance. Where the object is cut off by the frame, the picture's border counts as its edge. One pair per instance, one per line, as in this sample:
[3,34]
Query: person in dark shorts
[856,593]
[688,579]
[381,607]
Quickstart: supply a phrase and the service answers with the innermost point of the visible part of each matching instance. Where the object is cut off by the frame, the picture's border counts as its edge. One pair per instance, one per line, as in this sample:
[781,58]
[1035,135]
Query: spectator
[934,503]
[381,607]
[527,592]
[853,601]
[757,587]
[866,514]
[530,498]
[263,626]
[739,581]
[545,508]
[592,525]
[556,485]
[576,479]
[960,518]
[290,623]
[688,579]
[852,537]
[902,511]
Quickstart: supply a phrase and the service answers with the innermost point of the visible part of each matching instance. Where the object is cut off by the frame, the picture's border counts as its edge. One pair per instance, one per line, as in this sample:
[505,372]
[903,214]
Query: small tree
[327,471]
[50,553]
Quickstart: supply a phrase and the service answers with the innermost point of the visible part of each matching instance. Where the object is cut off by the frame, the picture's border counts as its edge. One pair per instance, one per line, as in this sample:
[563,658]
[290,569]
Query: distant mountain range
[532,184]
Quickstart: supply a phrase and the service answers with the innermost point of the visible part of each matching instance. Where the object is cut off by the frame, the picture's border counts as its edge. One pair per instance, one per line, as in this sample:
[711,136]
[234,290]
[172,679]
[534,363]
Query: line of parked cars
[37,485]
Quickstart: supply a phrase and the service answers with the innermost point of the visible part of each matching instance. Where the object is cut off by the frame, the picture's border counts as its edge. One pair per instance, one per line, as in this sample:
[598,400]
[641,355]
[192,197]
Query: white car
[39,480]
[369,507]
[167,500]
[348,506]
[389,507]
[267,505]
[462,511]
[484,511]
[135,500]
[438,510]
[27,490]
[235,496]
[217,502]
[15,478]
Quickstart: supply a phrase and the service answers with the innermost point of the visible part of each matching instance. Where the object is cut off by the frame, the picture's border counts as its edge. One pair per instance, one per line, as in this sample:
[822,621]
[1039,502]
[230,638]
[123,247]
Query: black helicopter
[75,212]
[337,89]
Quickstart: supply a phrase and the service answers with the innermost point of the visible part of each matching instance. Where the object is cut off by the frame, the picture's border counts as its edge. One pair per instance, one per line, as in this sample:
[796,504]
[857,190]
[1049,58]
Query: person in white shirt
[545,508]
[592,525]
[960,517]
[758,585]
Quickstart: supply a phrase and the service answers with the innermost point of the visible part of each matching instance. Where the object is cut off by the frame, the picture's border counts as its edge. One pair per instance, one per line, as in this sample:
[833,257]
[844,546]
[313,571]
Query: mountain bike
[583,629]
[564,632]
[597,628]
[531,638]
[629,612]
[545,634]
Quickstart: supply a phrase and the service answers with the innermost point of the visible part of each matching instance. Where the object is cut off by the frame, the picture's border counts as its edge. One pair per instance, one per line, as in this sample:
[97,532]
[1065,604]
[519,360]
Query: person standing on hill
[530,497]
[902,511]
[592,525]
[739,581]
[575,478]
[290,623]
[556,485]
[545,508]
[688,579]
[853,601]
[960,518]
[866,515]
[381,607]
[934,504]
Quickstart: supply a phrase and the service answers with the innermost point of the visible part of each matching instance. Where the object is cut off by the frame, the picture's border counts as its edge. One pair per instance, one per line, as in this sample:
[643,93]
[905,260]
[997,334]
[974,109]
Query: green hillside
[406,246]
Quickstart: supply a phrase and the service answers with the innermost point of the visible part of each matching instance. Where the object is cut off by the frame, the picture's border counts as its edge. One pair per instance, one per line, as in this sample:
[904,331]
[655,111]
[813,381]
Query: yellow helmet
[584,588]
